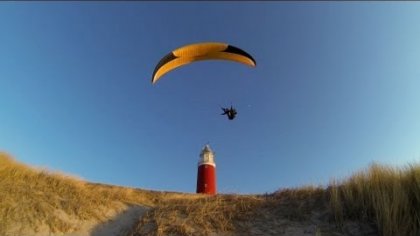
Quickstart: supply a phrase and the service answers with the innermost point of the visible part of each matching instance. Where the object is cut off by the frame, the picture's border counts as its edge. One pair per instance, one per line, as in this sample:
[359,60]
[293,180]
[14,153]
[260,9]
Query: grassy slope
[35,199]
[241,214]
[387,197]
[380,200]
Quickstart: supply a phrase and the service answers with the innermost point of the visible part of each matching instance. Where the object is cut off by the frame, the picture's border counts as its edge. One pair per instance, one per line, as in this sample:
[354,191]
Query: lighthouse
[206,175]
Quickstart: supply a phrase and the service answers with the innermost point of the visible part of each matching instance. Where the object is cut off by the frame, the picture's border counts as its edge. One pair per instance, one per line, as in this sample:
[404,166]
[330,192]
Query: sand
[119,223]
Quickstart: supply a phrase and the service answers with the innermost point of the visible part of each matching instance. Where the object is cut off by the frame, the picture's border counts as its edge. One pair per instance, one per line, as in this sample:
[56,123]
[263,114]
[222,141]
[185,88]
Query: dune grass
[196,215]
[192,214]
[45,201]
[387,196]
[297,203]
[32,198]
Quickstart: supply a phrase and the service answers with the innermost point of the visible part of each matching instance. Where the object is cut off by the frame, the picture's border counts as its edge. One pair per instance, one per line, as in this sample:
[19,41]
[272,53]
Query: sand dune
[37,203]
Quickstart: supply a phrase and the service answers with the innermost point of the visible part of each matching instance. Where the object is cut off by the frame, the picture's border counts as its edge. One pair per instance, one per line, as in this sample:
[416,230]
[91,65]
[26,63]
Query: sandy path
[118,225]
[121,224]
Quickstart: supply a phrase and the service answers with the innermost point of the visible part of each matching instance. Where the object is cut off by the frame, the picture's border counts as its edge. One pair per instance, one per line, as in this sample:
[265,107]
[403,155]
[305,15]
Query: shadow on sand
[120,224]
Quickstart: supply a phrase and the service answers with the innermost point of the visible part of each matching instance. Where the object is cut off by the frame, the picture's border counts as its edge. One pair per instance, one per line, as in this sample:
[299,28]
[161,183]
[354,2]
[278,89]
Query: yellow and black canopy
[197,52]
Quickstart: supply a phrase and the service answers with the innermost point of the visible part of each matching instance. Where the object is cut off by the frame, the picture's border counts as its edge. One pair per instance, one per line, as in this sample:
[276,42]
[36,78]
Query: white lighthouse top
[206,156]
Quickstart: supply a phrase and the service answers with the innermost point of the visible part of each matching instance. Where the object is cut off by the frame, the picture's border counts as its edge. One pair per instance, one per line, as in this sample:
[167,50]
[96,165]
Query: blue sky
[335,89]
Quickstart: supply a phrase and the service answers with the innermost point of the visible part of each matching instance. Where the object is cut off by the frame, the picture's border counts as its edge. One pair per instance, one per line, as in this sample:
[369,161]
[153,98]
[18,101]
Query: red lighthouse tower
[206,176]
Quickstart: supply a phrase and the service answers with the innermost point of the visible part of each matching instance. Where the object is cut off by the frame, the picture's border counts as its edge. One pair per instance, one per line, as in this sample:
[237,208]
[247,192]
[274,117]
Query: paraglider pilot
[230,112]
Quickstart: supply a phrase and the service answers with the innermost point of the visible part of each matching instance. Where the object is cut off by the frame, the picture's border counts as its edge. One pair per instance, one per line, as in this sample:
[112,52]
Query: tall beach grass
[384,195]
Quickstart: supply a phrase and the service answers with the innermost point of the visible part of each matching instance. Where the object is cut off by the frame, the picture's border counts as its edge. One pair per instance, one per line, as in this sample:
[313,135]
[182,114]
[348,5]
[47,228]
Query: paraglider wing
[197,52]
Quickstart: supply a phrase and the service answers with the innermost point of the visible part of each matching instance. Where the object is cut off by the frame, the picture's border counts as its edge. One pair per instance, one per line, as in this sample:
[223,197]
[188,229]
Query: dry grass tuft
[387,196]
[200,215]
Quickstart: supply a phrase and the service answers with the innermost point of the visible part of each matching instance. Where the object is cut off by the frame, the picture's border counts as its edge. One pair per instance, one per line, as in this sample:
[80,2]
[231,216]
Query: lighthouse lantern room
[206,176]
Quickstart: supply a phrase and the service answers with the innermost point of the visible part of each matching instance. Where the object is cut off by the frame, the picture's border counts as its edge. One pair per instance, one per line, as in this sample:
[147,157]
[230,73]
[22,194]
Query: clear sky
[336,87]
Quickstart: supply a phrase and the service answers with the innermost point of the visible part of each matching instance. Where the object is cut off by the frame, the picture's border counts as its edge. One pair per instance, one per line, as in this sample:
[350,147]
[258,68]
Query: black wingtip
[236,50]
[167,58]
